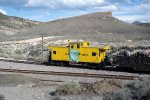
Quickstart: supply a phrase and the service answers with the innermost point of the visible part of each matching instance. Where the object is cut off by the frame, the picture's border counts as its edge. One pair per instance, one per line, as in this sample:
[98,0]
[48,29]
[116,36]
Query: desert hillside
[95,26]
[10,25]
[141,24]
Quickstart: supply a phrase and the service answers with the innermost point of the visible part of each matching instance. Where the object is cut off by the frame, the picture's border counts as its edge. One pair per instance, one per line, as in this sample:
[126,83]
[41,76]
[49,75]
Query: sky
[48,10]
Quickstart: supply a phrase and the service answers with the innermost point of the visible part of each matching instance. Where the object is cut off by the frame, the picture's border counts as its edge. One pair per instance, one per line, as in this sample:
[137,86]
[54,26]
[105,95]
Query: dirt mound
[105,86]
[96,88]
[69,88]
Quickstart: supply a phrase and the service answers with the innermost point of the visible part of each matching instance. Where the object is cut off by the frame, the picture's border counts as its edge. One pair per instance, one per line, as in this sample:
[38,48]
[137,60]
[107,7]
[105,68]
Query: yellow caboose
[78,53]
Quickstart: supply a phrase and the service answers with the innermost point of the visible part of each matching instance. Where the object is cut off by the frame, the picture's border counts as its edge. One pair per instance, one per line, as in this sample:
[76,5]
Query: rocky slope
[99,27]
[10,25]
[141,24]
[96,26]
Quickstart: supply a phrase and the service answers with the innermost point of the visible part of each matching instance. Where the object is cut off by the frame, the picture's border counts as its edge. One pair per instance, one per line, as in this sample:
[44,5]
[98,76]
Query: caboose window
[71,46]
[87,44]
[93,53]
[54,52]
[78,45]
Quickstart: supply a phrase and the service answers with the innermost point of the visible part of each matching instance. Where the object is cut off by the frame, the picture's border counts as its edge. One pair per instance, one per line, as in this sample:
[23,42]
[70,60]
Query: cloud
[132,18]
[107,8]
[40,3]
[120,1]
[62,4]
[145,5]
[3,11]
[82,12]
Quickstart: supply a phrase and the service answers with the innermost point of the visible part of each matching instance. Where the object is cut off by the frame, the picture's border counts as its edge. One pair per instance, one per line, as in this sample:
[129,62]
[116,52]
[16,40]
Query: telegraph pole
[42,47]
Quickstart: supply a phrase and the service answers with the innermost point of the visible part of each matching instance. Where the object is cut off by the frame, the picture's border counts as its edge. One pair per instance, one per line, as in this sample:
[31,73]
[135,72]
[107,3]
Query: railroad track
[21,61]
[122,77]
[40,63]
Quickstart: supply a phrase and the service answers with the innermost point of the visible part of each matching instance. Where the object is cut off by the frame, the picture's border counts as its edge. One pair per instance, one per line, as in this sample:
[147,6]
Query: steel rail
[122,77]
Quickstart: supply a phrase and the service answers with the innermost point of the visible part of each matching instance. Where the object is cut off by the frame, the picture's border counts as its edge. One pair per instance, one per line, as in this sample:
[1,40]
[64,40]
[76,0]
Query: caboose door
[74,56]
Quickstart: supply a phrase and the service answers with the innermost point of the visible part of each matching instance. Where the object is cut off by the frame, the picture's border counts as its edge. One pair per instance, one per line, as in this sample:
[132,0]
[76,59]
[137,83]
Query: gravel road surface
[33,90]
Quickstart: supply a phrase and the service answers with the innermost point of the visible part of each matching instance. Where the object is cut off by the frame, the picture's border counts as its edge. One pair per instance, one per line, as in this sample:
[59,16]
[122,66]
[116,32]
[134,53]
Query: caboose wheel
[101,65]
[97,67]
[66,63]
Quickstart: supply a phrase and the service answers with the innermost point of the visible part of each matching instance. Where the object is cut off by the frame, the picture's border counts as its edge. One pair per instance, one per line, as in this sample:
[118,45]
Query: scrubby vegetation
[29,52]
[2,97]
[137,90]
[32,51]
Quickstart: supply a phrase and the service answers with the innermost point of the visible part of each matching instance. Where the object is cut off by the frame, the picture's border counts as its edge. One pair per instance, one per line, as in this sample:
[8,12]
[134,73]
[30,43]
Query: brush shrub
[2,97]
[69,88]
[139,89]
